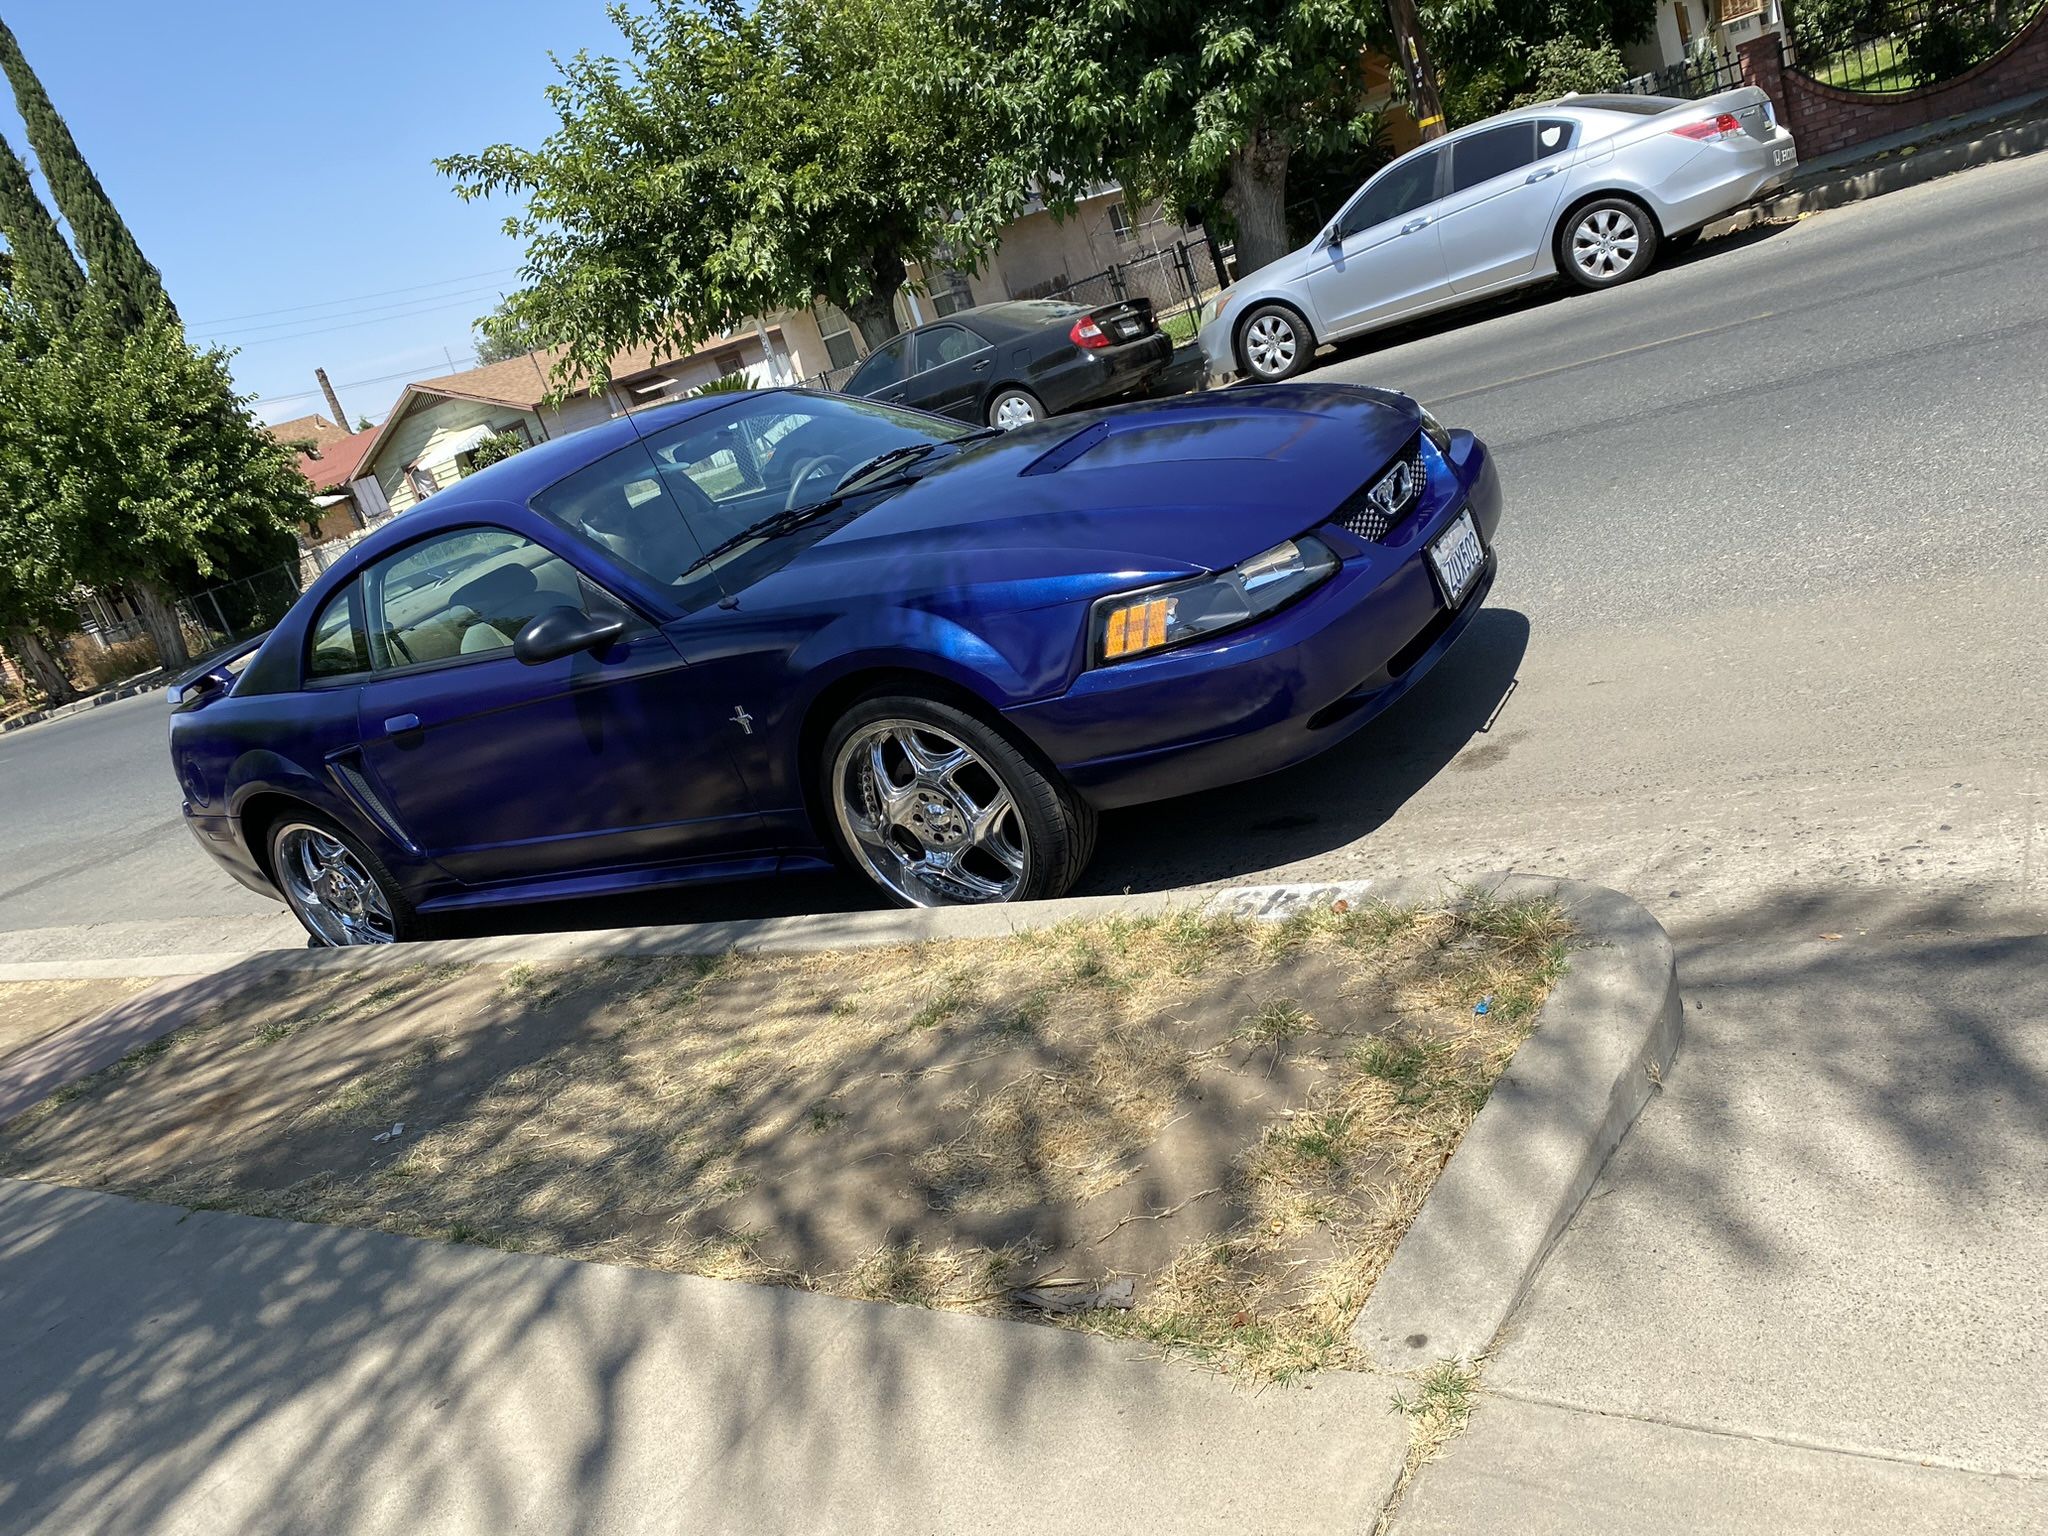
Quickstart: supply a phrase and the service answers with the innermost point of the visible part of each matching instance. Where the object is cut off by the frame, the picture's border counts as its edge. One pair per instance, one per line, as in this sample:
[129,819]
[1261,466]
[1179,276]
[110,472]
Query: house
[346,502]
[1685,29]
[427,439]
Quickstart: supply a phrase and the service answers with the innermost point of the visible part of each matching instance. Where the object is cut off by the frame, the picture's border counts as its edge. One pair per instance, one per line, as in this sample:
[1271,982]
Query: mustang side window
[336,647]
[462,595]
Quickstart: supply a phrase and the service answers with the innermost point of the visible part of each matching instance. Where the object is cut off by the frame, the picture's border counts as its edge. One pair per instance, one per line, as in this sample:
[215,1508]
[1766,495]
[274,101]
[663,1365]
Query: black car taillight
[1086,333]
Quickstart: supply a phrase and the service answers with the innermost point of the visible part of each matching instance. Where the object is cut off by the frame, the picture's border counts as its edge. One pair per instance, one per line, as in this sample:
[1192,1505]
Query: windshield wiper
[770,528]
[910,453]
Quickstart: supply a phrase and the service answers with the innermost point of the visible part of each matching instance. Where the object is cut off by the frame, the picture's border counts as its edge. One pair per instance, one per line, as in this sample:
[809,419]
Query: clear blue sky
[276,163]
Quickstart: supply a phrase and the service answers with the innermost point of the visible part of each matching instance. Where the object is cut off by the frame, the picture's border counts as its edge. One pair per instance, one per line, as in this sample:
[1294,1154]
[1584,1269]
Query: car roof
[1013,315]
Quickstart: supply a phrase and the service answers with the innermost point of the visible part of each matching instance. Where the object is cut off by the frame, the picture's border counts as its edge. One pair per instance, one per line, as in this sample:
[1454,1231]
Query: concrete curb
[1907,167]
[1526,1164]
[80,706]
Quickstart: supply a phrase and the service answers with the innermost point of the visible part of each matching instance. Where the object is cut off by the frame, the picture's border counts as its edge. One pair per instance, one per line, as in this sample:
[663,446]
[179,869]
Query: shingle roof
[338,461]
[317,430]
[523,381]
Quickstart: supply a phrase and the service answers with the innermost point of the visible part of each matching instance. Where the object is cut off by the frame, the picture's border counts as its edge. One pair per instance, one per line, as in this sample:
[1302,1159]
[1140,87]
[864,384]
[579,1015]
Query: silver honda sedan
[1585,186]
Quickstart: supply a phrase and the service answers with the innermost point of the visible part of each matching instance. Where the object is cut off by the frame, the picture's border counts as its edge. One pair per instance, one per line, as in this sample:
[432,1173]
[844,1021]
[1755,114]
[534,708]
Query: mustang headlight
[1139,623]
[1435,431]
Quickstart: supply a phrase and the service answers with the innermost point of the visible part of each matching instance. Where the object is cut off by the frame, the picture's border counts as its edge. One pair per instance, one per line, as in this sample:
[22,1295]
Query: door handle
[982,366]
[1413,225]
[1543,175]
[399,724]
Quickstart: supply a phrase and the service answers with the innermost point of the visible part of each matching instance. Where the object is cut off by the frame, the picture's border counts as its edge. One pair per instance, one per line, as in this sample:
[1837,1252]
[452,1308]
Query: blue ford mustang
[750,632]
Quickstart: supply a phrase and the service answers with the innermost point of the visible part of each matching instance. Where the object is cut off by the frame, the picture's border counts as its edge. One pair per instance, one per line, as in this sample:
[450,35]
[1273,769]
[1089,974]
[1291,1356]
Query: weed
[1278,1020]
[954,994]
[1439,1410]
[822,1116]
[1318,1137]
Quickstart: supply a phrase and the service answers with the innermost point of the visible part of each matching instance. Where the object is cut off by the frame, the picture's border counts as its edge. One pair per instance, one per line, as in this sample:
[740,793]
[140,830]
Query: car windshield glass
[693,494]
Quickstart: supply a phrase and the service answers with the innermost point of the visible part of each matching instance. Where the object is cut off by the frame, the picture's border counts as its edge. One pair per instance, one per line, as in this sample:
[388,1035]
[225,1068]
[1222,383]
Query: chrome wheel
[926,817]
[1605,244]
[338,900]
[1013,411]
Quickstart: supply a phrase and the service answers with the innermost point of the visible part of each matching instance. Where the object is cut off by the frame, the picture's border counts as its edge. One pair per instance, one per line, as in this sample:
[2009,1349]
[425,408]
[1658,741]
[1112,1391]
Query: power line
[351,325]
[382,378]
[393,311]
[357,298]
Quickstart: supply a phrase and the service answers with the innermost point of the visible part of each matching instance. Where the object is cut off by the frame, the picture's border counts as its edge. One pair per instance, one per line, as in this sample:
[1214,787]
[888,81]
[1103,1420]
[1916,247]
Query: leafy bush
[1559,66]
[1948,45]
[499,445]
[729,384]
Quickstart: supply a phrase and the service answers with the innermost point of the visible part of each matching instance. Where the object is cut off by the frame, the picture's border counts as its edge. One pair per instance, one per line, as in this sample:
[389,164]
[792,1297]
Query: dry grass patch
[1242,1117]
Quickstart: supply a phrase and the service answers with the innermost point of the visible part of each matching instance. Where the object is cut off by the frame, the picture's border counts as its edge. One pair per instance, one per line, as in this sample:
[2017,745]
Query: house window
[1120,223]
[1684,24]
[950,292]
[422,480]
[837,331]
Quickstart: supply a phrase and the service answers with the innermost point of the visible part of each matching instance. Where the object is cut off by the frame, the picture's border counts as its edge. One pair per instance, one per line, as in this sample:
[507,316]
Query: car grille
[1383,503]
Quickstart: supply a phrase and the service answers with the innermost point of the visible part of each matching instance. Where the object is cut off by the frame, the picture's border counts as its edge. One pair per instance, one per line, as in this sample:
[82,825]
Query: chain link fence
[233,610]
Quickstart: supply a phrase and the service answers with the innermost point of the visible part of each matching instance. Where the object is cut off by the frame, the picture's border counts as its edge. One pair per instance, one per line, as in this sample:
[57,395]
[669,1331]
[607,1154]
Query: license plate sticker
[1784,155]
[1457,555]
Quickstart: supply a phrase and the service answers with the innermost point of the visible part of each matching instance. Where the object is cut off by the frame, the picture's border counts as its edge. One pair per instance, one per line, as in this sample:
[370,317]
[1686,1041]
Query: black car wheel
[1014,407]
[1607,242]
[939,808]
[339,890]
[1273,344]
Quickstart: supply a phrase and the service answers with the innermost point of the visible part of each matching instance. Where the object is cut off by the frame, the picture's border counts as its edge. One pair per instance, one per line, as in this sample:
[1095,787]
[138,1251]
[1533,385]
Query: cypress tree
[42,268]
[114,260]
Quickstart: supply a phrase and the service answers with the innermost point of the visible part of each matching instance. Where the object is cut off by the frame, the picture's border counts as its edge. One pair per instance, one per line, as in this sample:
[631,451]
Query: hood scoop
[1182,437]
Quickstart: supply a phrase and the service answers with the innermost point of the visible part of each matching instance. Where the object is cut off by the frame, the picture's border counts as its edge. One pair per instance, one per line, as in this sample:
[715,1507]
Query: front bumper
[1282,690]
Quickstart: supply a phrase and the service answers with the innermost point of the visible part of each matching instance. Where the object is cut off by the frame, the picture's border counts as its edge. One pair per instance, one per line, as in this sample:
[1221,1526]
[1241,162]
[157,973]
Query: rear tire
[1012,408]
[1274,343]
[938,808]
[1606,242]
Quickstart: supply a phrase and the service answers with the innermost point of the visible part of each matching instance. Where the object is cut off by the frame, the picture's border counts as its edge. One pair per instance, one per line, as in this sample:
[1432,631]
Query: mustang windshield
[707,489]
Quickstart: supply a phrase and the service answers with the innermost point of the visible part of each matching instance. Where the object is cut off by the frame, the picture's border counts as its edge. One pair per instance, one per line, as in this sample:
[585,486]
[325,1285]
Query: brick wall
[1824,119]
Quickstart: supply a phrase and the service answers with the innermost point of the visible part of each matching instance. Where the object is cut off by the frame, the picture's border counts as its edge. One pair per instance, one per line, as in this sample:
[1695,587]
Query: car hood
[1162,489]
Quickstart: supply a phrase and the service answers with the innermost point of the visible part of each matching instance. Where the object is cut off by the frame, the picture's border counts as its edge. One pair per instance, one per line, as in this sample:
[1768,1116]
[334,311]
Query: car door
[883,375]
[1505,182]
[1382,254]
[500,770]
[952,370]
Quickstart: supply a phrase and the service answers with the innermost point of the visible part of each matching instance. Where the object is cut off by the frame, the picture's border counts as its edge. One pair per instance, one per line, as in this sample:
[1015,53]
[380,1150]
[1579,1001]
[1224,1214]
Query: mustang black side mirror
[563,632]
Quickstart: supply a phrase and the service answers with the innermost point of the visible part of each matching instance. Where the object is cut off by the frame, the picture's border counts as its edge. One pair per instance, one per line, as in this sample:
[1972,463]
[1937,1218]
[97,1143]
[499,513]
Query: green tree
[131,461]
[1206,103]
[501,335]
[41,268]
[1494,53]
[745,158]
[112,257]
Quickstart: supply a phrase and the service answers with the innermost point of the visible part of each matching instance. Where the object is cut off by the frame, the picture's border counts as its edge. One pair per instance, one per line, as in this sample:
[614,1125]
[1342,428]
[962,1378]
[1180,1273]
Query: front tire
[342,894]
[938,808]
[1609,241]
[1273,344]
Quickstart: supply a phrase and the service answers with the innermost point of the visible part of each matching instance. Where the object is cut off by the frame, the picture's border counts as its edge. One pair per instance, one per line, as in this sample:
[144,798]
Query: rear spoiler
[209,673]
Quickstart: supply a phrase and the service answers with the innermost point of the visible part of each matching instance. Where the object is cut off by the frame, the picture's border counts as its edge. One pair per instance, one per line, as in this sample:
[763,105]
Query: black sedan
[1020,361]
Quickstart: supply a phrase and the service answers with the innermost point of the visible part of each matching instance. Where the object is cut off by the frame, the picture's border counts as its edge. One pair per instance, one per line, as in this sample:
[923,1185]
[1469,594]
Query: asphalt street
[1769,618]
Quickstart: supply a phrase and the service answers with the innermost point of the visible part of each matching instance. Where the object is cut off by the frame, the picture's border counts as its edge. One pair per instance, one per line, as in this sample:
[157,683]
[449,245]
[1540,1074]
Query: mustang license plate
[1457,555]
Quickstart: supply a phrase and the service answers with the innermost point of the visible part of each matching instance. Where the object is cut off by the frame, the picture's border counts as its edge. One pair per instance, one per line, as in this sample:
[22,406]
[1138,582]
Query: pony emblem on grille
[1392,492]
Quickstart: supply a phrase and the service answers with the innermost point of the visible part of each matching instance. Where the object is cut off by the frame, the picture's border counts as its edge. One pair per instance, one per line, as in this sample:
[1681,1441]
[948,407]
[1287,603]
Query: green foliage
[129,458]
[1949,44]
[741,159]
[42,268]
[1205,103]
[116,264]
[1491,54]
[499,445]
[727,384]
[501,336]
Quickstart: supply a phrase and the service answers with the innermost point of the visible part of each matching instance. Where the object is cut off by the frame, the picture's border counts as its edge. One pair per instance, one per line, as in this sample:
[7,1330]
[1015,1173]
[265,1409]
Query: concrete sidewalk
[172,1372]
[1805,1295]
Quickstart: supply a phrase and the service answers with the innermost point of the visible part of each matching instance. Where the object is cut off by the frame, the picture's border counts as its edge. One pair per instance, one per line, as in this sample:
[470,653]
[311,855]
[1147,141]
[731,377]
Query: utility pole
[1423,100]
[333,400]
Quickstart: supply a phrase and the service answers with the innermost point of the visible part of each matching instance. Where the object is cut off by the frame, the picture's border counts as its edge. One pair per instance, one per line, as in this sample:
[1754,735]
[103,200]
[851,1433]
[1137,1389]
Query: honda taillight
[1712,130]
[1086,333]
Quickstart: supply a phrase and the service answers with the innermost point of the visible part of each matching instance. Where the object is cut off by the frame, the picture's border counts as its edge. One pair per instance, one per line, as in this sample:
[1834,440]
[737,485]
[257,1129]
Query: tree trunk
[160,618]
[42,668]
[1425,103]
[875,315]
[1257,200]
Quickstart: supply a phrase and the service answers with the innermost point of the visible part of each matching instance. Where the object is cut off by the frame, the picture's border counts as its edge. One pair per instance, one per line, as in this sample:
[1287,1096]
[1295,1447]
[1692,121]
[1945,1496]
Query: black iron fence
[1701,74]
[1901,45]
[234,609]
